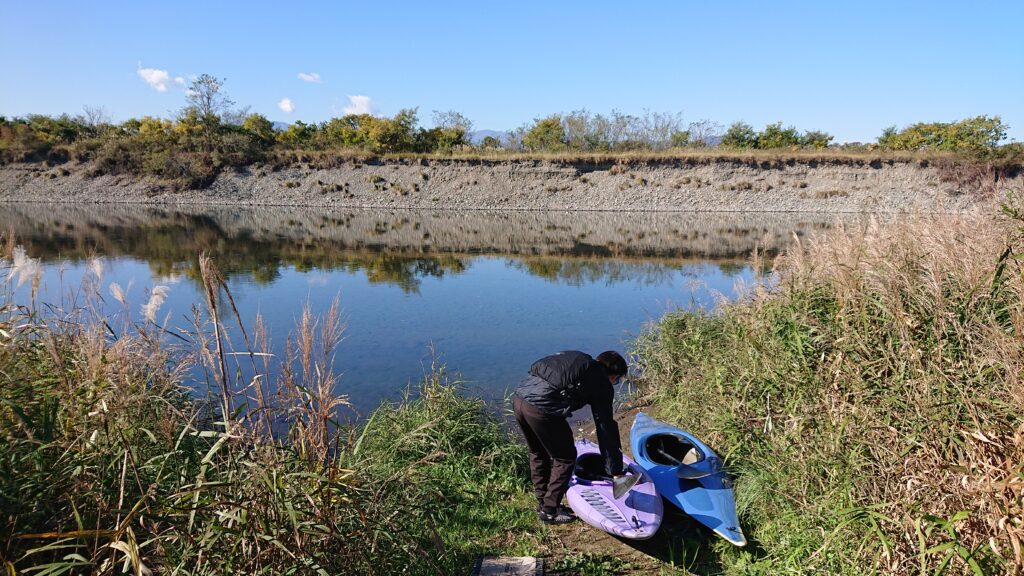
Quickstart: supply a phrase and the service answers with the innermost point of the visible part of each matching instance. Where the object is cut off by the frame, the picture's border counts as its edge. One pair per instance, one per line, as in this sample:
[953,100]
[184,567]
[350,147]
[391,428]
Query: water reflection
[403,247]
[488,291]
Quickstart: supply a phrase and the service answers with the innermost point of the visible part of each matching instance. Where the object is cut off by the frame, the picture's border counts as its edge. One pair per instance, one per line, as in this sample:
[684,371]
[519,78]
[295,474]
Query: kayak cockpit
[672,450]
[590,468]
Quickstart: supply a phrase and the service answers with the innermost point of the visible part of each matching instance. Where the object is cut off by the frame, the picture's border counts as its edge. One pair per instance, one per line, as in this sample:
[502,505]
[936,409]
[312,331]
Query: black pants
[552,452]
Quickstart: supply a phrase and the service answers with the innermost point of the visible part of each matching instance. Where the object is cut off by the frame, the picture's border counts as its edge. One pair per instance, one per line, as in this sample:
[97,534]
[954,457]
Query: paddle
[622,484]
[688,472]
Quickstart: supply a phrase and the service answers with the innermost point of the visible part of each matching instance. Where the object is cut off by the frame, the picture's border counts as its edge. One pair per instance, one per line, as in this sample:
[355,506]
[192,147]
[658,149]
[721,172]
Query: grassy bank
[870,402]
[108,464]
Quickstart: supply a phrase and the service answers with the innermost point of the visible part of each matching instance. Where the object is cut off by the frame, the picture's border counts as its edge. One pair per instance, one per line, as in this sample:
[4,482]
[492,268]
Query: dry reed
[871,397]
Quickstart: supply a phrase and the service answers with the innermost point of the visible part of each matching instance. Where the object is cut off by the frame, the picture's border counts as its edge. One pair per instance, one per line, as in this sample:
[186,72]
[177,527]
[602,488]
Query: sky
[847,68]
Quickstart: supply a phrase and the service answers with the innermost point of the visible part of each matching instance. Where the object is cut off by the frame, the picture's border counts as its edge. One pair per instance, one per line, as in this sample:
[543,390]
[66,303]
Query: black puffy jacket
[564,382]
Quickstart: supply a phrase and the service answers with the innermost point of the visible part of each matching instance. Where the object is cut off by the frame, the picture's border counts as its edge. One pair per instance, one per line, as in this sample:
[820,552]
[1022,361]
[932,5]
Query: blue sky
[848,68]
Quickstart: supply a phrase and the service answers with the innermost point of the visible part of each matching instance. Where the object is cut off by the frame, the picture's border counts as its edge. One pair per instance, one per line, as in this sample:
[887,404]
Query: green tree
[349,131]
[888,138]
[297,135]
[18,142]
[976,134]
[393,135]
[442,140]
[547,134]
[680,139]
[740,135]
[450,130]
[154,131]
[775,136]
[816,139]
[260,129]
[380,135]
[60,130]
[194,134]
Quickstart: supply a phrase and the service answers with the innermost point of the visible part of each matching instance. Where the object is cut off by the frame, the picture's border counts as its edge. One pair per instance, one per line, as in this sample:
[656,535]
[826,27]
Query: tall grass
[870,400]
[110,464]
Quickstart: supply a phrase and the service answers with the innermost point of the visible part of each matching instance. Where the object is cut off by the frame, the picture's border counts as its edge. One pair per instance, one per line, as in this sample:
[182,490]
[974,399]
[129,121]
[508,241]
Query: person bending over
[556,386]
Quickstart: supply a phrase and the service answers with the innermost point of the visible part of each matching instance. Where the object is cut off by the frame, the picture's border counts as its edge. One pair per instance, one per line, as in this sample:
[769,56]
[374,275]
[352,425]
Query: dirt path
[680,546]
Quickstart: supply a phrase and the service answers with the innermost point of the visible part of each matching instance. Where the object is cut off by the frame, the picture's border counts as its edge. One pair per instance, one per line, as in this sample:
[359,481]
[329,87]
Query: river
[483,293]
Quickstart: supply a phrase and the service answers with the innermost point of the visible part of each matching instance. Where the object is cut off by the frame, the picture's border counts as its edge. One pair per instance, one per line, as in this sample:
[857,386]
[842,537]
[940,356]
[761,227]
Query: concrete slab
[508,566]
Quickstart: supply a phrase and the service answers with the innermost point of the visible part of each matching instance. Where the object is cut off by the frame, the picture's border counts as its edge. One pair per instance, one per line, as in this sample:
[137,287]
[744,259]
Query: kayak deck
[636,516]
[688,474]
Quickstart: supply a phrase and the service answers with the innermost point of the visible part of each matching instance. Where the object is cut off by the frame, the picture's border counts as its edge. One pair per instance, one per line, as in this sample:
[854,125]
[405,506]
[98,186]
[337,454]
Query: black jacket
[564,382]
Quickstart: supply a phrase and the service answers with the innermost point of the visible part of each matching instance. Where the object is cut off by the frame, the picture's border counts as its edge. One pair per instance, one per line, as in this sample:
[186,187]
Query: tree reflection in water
[401,248]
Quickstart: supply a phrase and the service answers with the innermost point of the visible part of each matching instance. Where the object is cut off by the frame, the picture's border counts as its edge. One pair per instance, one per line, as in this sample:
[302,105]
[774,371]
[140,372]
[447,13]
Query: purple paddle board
[636,516]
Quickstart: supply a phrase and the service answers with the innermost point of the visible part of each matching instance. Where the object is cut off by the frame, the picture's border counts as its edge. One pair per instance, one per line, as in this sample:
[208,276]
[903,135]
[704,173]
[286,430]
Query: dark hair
[614,362]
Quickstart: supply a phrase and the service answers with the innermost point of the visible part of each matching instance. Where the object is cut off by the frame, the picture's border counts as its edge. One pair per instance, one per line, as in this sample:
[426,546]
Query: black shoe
[561,515]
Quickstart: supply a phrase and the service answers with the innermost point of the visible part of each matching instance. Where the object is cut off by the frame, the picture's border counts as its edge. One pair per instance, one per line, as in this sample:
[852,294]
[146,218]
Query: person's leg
[554,435]
[540,462]
[558,440]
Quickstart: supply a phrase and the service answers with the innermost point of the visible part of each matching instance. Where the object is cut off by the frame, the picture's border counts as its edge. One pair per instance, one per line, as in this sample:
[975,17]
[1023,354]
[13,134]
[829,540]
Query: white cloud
[358,105]
[158,79]
[318,280]
[311,77]
[286,105]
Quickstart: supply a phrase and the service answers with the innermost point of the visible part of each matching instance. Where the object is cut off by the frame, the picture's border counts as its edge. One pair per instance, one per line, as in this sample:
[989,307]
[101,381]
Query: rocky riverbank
[721,185]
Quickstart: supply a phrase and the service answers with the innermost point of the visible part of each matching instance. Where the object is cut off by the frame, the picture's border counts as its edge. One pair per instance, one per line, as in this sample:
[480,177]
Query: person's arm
[607,428]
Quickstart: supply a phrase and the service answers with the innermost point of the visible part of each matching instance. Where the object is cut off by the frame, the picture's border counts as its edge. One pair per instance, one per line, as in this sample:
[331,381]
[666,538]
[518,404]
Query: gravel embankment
[719,186]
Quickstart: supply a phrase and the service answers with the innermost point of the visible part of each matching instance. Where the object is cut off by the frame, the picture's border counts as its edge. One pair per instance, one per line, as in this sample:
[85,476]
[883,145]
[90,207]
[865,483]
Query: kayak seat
[671,450]
[590,468]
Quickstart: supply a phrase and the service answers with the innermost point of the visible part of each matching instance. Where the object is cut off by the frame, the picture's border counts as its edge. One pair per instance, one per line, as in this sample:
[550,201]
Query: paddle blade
[691,472]
[701,469]
[623,484]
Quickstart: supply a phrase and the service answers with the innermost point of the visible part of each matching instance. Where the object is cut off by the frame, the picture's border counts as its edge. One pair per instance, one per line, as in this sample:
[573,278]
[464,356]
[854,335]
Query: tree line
[208,134]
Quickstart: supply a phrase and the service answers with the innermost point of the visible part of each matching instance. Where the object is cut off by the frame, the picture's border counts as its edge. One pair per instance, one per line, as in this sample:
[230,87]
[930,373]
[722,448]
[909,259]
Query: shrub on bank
[870,402]
[207,137]
[979,134]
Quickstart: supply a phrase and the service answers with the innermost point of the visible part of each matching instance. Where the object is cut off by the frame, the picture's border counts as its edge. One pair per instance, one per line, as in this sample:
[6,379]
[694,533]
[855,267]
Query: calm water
[486,293]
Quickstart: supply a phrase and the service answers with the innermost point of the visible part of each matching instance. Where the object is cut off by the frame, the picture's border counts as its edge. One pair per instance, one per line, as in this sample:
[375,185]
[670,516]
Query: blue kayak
[688,474]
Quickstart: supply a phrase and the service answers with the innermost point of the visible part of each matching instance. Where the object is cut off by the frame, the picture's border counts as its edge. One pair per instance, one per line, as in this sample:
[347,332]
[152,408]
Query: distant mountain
[278,125]
[477,136]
